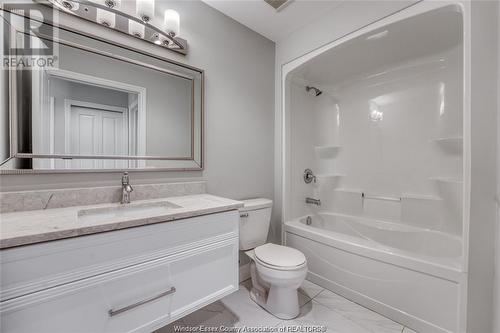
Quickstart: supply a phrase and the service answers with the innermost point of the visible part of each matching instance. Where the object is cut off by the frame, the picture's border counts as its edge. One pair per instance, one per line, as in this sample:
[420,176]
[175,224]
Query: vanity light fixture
[112,3]
[111,14]
[172,22]
[145,9]
[157,40]
[70,5]
[136,29]
[105,18]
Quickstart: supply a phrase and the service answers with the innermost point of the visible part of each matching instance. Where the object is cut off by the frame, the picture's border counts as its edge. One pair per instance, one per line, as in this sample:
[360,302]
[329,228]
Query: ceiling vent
[278,4]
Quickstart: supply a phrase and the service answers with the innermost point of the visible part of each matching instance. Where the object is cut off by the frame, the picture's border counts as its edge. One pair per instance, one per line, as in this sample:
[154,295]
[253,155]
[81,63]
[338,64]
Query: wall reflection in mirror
[105,107]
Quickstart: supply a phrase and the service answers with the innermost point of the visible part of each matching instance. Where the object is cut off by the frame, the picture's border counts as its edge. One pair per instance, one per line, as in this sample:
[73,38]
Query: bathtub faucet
[316,202]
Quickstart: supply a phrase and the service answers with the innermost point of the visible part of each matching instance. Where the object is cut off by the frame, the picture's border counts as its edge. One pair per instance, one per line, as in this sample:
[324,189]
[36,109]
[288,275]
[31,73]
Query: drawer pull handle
[244,215]
[132,306]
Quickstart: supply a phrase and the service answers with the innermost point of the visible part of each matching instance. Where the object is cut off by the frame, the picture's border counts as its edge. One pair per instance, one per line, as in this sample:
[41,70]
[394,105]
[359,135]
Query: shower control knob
[309,176]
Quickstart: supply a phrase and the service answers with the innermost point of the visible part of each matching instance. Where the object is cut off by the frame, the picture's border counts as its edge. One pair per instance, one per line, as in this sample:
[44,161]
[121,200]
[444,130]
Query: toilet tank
[255,217]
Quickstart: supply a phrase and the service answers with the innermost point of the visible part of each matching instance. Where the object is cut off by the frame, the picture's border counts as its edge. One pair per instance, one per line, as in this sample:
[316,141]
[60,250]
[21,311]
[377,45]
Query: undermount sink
[129,210]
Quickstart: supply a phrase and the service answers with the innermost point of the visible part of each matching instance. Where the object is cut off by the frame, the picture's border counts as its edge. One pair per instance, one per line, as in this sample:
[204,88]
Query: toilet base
[281,302]
[291,309]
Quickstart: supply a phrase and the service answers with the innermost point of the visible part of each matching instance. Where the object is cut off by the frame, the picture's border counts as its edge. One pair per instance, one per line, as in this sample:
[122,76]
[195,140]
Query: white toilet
[277,271]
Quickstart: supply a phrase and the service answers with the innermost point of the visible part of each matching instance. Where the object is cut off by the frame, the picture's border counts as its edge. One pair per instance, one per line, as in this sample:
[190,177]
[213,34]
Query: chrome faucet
[316,202]
[126,188]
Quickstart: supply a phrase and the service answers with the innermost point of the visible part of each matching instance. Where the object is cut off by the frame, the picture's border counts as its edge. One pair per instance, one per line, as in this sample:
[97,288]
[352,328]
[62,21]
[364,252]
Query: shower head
[317,92]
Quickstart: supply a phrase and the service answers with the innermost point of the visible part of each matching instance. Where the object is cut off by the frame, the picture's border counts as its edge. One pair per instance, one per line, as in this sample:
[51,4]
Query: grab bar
[377,197]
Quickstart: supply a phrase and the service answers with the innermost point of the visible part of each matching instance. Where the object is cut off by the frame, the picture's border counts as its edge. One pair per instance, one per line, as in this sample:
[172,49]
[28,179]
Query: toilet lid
[279,256]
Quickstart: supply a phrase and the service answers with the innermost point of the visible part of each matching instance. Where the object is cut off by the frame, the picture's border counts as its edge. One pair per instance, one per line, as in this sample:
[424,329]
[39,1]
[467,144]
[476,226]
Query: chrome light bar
[89,10]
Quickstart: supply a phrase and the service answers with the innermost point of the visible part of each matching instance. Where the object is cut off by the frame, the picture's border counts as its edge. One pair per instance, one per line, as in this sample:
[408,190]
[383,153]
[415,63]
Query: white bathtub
[415,243]
[409,274]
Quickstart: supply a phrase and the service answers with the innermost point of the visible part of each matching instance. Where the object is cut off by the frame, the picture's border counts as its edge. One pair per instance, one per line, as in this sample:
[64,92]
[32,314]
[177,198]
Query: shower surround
[385,140]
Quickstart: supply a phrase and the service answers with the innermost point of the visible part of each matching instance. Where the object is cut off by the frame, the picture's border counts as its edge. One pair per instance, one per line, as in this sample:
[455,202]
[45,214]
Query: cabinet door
[140,298]
[28,269]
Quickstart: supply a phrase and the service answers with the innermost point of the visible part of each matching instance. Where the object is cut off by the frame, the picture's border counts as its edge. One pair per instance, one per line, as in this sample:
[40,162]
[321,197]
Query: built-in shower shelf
[450,180]
[424,197]
[349,190]
[405,196]
[324,175]
[328,178]
[452,144]
[328,151]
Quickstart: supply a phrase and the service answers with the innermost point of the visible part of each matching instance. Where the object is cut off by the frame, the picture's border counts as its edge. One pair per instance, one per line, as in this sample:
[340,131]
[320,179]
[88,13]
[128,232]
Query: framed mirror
[105,107]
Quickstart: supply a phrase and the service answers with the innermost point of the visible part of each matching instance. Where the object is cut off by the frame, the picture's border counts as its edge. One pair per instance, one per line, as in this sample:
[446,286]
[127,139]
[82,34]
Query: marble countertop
[35,226]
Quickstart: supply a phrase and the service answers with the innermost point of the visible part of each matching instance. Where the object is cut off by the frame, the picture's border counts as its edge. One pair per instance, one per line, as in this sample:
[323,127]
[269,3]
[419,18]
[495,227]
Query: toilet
[277,271]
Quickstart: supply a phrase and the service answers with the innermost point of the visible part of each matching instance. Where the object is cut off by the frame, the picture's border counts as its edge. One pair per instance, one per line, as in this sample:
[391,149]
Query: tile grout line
[350,319]
[308,301]
[315,294]
[323,289]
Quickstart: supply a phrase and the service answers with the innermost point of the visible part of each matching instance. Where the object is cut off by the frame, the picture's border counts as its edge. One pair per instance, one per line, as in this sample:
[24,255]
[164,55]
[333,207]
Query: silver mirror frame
[197,161]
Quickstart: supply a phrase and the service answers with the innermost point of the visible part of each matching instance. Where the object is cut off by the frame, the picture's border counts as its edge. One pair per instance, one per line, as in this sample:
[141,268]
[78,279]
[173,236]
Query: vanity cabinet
[131,280]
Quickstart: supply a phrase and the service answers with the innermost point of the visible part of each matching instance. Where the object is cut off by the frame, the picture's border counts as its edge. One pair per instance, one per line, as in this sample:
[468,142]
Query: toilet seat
[279,257]
[280,268]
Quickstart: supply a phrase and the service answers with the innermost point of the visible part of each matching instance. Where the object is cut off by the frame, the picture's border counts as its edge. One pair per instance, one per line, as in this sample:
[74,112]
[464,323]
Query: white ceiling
[264,19]
[400,43]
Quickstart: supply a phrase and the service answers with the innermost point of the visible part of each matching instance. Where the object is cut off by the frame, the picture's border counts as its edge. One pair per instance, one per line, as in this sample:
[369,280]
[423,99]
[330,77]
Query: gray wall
[496,307]
[239,106]
[484,91]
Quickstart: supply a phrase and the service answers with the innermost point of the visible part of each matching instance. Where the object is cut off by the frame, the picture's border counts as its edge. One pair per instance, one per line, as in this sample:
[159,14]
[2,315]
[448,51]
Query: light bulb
[172,22]
[105,18]
[136,29]
[145,9]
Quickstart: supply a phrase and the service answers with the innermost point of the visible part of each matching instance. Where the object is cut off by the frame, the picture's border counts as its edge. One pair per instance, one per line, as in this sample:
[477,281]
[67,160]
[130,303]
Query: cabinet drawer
[32,268]
[141,298]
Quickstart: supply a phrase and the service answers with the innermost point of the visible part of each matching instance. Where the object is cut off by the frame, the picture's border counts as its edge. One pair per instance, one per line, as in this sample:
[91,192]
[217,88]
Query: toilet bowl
[276,271]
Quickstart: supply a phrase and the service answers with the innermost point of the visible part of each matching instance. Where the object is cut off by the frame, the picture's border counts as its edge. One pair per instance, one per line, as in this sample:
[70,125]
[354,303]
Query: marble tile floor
[321,309]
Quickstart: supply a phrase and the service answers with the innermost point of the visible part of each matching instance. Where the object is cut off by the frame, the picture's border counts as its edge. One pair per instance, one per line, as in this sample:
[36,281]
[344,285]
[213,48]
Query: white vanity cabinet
[121,281]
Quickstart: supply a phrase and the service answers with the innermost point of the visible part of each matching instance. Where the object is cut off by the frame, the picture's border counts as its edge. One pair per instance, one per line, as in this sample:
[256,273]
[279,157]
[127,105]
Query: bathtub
[425,245]
[409,274]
